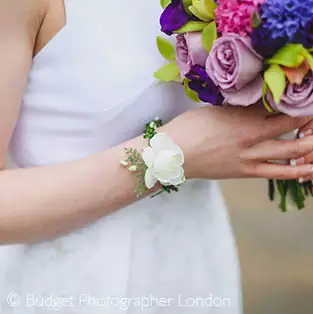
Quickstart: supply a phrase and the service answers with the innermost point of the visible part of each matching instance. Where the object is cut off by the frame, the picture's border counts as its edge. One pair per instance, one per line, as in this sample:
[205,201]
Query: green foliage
[190,93]
[166,48]
[256,20]
[264,93]
[192,26]
[151,128]
[187,4]
[209,35]
[203,9]
[294,190]
[134,159]
[168,72]
[165,3]
[290,56]
[275,79]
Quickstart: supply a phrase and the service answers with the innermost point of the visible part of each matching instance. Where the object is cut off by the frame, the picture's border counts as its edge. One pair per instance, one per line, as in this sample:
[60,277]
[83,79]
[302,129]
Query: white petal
[179,156]
[148,156]
[171,177]
[161,141]
[150,179]
[178,180]
[163,160]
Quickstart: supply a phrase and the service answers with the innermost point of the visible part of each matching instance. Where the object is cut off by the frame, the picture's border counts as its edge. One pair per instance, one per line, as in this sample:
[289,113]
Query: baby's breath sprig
[151,128]
[135,163]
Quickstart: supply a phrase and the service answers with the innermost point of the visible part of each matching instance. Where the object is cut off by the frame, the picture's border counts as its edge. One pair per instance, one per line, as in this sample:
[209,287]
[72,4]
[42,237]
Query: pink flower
[297,100]
[235,16]
[236,68]
[190,51]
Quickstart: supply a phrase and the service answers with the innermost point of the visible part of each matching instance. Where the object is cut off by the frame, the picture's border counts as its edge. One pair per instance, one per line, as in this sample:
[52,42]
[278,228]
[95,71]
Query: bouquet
[241,52]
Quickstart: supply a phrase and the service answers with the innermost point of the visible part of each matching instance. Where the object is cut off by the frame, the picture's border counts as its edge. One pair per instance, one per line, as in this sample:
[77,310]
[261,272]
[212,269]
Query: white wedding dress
[90,88]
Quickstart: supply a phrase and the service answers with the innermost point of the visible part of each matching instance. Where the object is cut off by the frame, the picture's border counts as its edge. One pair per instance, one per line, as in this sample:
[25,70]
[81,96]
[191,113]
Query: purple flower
[201,83]
[263,43]
[190,51]
[236,69]
[308,35]
[297,100]
[173,17]
[283,22]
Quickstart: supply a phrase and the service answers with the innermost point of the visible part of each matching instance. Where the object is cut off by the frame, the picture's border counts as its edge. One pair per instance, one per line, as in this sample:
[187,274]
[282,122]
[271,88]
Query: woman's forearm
[44,202]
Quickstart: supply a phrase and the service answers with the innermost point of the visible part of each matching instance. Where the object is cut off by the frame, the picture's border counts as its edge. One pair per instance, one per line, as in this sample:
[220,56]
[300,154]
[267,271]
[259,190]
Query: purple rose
[297,100]
[190,51]
[173,17]
[236,68]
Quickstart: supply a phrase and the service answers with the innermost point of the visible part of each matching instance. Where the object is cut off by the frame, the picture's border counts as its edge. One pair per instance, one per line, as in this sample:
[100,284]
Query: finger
[306,130]
[283,172]
[274,126]
[305,179]
[307,159]
[280,149]
[259,109]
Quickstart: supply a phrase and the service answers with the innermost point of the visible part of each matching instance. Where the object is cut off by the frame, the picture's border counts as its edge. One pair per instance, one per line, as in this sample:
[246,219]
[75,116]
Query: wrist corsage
[161,162]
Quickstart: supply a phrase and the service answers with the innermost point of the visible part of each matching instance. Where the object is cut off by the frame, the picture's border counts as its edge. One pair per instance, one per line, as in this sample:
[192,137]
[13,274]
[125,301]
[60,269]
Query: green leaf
[168,72]
[165,3]
[192,26]
[197,14]
[307,55]
[166,48]
[203,9]
[256,20]
[275,79]
[209,35]
[189,92]
[265,103]
[309,58]
[290,56]
[187,4]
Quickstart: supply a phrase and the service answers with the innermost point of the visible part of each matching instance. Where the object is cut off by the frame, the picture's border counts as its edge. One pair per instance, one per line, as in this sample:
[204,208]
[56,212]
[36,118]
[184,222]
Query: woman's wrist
[161,162]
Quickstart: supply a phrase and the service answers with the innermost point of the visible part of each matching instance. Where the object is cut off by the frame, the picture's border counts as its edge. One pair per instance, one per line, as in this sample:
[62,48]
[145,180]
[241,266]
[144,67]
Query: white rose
[164,160]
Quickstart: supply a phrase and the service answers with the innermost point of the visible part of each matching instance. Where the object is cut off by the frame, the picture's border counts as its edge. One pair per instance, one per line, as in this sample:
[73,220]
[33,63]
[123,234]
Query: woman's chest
[92,86]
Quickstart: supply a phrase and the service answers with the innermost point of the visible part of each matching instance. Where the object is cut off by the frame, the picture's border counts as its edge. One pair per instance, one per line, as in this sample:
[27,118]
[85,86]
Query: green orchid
[291,56]
[291,62]
[203,9]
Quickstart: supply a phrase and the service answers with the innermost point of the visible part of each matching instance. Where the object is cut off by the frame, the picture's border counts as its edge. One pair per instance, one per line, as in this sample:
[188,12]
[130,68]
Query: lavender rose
[236,68]
[190,51]
[297,100]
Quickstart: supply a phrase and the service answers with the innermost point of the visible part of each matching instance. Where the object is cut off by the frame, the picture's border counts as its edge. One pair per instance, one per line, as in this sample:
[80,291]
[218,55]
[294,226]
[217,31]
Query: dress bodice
[92,86]
[89,89]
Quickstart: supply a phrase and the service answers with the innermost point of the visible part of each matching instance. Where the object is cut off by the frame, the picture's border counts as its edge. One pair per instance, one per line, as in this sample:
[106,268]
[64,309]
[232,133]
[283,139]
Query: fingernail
[296,162]
[306,133]
[293,162]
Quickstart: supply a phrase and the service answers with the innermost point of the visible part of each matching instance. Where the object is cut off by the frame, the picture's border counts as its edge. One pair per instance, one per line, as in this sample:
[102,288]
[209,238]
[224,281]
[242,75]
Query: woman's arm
[44,202]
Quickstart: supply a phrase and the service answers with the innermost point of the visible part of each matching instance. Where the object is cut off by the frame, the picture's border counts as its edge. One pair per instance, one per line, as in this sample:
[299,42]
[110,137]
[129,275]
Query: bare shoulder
[54,20]
[22,16]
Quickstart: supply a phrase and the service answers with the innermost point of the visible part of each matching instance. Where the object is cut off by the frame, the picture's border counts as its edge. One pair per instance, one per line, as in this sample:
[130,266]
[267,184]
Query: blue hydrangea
[284,21]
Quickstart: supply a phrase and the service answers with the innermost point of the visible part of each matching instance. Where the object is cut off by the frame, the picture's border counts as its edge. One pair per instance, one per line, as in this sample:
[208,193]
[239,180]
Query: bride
[76,89]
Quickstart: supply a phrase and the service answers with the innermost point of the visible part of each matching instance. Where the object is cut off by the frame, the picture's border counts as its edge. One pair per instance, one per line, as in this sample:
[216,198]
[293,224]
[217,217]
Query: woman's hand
[235,142]
[305,131]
